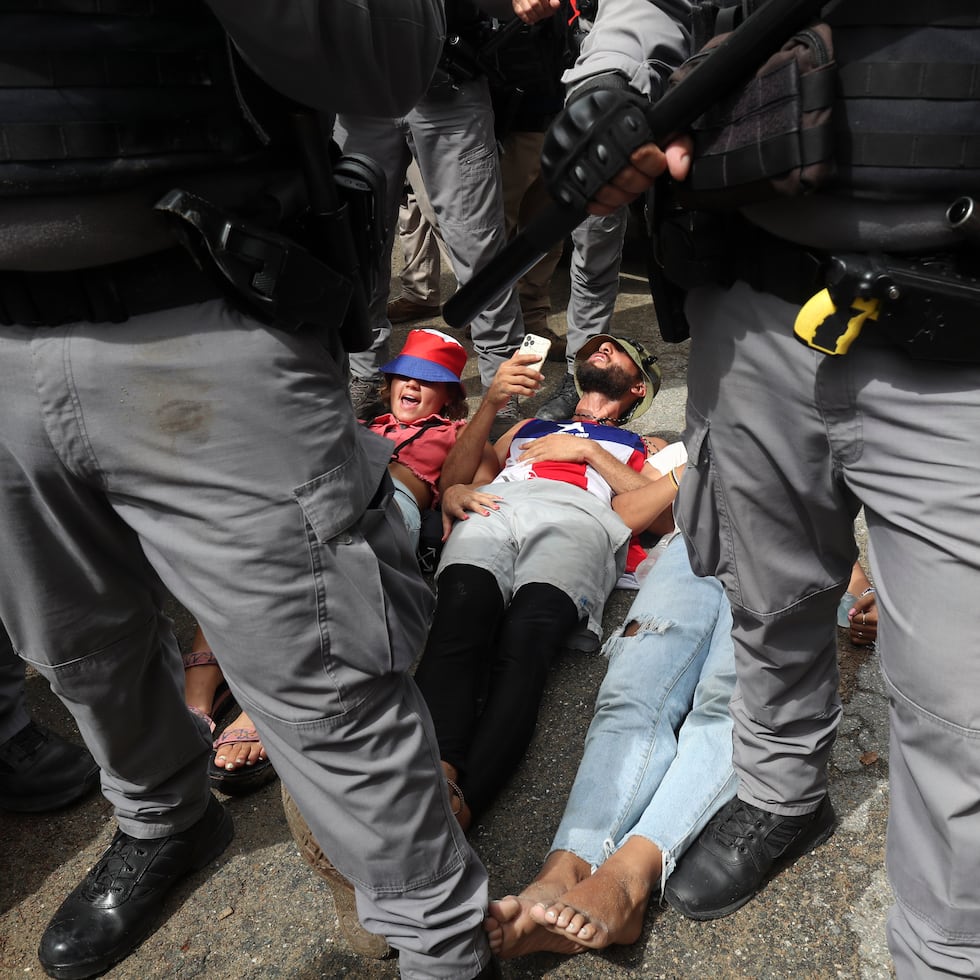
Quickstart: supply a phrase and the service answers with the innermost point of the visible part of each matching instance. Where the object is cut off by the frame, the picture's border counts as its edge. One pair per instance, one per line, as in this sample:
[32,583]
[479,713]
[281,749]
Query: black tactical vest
[905,110]
[907,116]
[100,96]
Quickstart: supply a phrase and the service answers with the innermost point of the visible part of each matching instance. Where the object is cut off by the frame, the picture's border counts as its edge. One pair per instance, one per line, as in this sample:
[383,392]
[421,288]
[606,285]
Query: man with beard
[538,560]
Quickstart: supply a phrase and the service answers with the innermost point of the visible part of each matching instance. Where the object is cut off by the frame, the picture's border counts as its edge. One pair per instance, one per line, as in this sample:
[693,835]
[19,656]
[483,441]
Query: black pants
[484,670]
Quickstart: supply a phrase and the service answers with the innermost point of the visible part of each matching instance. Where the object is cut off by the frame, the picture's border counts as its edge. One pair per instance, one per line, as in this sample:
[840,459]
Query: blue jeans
[408,507]
[658,754]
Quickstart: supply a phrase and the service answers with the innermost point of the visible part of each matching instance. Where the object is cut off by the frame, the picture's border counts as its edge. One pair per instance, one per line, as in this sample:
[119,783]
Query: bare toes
[503,910]
[567,917]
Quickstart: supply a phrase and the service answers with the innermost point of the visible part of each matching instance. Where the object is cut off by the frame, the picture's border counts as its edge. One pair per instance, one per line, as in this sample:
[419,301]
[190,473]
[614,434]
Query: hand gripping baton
[620,125]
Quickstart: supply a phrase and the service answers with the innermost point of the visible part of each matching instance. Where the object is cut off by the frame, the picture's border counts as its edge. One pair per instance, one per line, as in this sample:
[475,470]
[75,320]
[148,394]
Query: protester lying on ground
[536,550]
[426,408]
[657,765]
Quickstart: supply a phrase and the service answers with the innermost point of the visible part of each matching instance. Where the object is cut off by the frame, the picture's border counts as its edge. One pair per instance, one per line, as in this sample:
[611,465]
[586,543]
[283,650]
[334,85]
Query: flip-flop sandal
[223,701]
[244,779]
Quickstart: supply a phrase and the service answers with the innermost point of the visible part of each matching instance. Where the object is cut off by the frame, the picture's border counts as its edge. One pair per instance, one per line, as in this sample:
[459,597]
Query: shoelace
[739,824]
[116,865]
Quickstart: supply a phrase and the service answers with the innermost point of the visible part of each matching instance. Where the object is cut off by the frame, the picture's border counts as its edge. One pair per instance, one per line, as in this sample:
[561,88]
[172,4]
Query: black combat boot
[119,901]
[738,852]
[42,771]
[561,404]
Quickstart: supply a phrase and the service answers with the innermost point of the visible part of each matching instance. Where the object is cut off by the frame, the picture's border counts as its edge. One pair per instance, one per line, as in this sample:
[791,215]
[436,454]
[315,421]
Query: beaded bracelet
[867,591]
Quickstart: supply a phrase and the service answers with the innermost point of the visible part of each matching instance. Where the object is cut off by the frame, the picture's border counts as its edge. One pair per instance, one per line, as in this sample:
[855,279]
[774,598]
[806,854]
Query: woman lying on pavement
[535,552]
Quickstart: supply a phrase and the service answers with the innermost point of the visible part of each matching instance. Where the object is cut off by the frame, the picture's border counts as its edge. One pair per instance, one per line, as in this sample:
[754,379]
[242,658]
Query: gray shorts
[546,531]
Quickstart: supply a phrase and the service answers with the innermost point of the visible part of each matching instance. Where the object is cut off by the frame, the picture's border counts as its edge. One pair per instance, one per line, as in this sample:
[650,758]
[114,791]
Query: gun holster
[279,279]
[361,186]
[926,305]
[687,249]
[262,272]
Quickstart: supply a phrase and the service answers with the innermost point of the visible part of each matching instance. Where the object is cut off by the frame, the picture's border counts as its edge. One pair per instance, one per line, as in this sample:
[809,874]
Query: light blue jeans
[408,507]
[658,754]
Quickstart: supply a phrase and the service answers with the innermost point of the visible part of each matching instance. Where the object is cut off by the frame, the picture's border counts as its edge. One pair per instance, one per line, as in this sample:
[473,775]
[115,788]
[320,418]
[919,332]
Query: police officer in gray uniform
[838,328]
[152,433]
[450,134]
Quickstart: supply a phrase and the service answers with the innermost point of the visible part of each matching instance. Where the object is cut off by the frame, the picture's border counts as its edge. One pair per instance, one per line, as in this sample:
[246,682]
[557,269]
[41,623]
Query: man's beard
[612,382]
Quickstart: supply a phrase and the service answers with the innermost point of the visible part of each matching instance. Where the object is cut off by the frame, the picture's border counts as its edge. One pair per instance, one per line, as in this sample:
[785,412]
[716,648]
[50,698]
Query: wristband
[868,591]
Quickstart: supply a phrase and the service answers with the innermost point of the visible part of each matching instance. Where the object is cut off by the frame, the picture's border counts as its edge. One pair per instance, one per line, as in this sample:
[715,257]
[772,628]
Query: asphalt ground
[259,911]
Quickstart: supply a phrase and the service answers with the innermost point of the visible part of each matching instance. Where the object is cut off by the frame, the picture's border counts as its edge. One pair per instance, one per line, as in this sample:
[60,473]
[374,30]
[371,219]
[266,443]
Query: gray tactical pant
[785,444]
[199,449]
[597,254]
[14,714]
[450,135]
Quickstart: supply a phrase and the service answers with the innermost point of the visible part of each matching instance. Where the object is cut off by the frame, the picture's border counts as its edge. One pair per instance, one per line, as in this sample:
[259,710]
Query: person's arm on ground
[459,500]
[863,615]
[463,499]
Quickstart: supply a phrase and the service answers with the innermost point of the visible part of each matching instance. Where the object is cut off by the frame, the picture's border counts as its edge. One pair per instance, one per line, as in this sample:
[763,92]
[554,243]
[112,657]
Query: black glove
[592,139]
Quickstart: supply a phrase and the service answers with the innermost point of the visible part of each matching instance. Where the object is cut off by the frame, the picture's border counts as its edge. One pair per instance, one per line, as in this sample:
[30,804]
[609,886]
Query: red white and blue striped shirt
[624,445]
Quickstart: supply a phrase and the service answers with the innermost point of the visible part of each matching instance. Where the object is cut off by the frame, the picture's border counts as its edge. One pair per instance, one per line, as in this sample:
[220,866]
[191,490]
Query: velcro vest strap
[762,133]
[111,68]
[935,151]
[908,13]
[104,94]
[775,155]
[902,117]
[128,8]
[51,142]
[910,80]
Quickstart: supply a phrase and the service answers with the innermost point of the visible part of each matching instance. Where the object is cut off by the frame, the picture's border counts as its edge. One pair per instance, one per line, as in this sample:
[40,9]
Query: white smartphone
[533,344]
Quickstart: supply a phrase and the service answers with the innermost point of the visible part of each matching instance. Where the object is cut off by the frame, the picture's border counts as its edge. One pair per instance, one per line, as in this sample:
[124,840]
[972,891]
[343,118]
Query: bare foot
[608,908]
[509,926]
[237,754]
